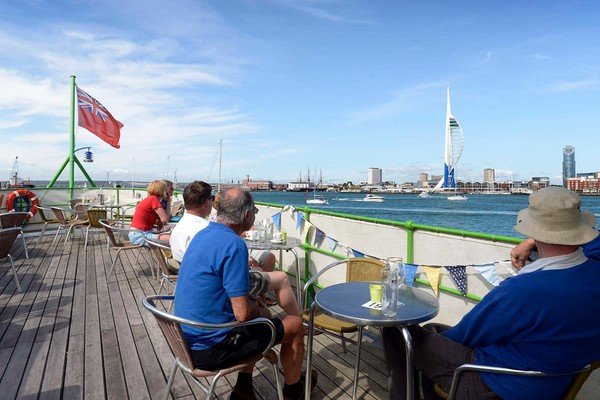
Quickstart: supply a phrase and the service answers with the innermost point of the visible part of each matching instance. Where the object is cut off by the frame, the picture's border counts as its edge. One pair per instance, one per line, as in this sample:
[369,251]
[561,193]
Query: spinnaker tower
[453,148]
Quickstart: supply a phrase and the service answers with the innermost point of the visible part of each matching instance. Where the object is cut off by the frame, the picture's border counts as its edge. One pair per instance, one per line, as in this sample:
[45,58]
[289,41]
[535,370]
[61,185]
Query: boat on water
[424,195]
[457,197]
[373,198]
[317,200]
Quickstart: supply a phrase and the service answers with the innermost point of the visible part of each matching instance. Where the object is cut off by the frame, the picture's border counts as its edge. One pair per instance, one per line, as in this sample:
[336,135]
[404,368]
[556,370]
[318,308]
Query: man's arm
[244,308]
[521,252]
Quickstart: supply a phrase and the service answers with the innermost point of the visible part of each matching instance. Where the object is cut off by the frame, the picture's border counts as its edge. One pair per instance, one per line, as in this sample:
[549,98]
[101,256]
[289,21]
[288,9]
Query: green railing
[410,228]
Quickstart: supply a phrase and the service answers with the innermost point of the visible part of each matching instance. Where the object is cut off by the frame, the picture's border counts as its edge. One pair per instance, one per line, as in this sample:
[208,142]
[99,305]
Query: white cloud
[568,86]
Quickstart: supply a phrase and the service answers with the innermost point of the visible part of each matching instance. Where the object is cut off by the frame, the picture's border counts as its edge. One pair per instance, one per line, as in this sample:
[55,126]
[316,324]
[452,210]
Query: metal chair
[162,255]
[66,224]
[74,202]
[579,379]
[171,327]
[45,219]
[120,245]
[7,238]
[357,270]
[93,217]
[15,220]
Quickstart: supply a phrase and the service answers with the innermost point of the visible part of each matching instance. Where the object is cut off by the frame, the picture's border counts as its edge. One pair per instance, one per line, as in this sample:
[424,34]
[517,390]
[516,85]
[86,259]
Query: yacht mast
[220,164]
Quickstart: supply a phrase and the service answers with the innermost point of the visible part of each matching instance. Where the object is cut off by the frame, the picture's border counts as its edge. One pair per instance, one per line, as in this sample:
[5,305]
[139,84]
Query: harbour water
[494,214]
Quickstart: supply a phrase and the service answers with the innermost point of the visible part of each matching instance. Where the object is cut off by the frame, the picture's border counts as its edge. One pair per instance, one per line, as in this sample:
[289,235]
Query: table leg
[409,364]
[309,346]
[298,283]
[357,365]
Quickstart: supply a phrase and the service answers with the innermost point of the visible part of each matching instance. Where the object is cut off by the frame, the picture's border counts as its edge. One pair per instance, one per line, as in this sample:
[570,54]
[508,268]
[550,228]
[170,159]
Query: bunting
[410,270]
[433,275]
[319,237]
[332,244]
[277,221]
[357,254]
[458,273]
[299,220]
[489,273]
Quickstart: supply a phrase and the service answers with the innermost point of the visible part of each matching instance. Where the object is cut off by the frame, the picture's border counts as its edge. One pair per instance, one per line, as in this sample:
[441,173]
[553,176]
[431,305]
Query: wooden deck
[73,335]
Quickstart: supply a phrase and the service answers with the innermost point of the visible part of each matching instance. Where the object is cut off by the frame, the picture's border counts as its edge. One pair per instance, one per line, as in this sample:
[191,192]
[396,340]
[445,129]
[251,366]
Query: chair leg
[357,365]
[112,268]
[43,231]
[213,385]
[171,379]
[344,349]
[25,245]
[12,267]
[87,233]
[278,382]
[68,234]
[57,232]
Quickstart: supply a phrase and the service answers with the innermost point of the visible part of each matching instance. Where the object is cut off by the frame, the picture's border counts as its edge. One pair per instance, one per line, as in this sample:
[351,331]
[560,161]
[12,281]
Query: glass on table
[397,264]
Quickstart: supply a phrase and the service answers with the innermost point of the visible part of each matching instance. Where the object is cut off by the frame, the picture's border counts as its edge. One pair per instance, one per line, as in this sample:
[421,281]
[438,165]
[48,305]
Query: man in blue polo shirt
[213,288]
[543,319]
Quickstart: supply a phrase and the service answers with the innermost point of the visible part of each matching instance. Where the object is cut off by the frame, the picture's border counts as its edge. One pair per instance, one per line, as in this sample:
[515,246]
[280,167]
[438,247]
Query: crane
[14,173]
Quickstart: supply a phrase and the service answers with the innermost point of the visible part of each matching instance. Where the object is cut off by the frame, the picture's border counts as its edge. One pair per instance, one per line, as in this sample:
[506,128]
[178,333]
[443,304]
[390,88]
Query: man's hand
[244,308]
[521,252]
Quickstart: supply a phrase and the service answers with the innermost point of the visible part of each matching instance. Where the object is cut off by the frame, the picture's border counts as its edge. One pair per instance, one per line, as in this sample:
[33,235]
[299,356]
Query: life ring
[31,199]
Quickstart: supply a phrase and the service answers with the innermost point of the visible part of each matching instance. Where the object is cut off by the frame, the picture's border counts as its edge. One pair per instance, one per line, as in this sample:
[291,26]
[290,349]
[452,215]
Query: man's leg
[435,356]
[267,261]
[279,282]
[292,349]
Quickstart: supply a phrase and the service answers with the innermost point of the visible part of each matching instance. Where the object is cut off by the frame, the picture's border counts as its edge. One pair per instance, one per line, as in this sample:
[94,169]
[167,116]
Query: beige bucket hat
[553,216]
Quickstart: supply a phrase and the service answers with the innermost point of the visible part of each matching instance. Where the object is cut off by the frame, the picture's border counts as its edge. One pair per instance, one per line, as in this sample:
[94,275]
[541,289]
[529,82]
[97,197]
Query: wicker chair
[66,224]
[7,238]
[578,380]
[163,256]
[93,217]
[15,220]
[171,327]
[42,213]
[74,202]
[357,270]
[121,245]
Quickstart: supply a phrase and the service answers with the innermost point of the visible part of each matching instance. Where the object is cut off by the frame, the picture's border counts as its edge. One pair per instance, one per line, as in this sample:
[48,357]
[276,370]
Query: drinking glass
[398,264]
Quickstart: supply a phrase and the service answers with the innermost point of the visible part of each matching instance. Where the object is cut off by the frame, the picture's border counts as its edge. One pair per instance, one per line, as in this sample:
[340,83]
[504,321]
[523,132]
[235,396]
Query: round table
[346,301]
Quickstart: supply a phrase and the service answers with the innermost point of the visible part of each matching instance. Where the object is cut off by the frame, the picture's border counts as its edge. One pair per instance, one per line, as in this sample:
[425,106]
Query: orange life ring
[33,201]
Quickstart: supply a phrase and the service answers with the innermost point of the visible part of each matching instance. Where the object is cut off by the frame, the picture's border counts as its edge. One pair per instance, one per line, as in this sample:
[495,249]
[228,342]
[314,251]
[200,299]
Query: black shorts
[239,345]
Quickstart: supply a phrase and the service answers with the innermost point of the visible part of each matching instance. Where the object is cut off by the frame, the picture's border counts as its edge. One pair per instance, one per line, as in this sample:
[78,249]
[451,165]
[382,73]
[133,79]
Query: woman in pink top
[148,213]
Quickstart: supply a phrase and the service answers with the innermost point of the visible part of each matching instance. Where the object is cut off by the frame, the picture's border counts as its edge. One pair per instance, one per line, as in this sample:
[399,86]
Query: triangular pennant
[458,273]
[410,270]
[277,221]
[489,273]
[306,225]
[332,243]
[433,274]
[299,220]
[357,254]
[319,237]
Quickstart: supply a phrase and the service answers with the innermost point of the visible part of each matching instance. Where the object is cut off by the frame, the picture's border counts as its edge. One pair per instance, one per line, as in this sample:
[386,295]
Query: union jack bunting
[94,117]
[319,237]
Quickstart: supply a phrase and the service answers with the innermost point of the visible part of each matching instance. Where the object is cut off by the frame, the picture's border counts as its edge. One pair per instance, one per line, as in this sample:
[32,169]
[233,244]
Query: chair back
[363,270]
[579,380]
[172,331]
[60,215]
[7,238]
[12,219]
[110,233]
[81,211]
[42,211]
[159,254]
[74,202]
[95,215]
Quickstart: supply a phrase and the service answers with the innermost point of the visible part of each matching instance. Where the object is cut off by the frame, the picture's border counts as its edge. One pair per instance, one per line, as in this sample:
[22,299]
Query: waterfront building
[489,175]
[257,185]
[539,182]
[374,176]
[300,186]
[423,176]
[585,182]
[568,164]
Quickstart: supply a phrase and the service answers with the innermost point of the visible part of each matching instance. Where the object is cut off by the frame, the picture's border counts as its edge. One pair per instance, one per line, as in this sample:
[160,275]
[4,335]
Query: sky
[334,86]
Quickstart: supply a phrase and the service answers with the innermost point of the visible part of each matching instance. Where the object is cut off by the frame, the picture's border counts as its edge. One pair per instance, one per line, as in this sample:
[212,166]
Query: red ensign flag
[94,117]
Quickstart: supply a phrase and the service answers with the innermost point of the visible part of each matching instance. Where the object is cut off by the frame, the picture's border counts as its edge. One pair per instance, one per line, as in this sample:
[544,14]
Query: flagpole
[72,141]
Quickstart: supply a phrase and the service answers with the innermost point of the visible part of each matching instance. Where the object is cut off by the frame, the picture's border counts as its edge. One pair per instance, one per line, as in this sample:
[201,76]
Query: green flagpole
[71,159]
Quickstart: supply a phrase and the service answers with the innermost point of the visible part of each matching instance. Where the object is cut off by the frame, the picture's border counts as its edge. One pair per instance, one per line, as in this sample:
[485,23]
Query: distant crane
[14,173]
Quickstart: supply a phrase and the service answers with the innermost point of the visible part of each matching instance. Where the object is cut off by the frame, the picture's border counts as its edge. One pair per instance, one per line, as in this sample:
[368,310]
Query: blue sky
[339,86]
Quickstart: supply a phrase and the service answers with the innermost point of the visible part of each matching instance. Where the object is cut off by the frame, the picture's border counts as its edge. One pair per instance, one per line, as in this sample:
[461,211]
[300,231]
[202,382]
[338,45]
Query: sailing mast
[220,164]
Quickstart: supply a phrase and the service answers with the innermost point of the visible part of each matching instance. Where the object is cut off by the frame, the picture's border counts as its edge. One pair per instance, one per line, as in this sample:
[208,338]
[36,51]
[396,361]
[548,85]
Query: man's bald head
[234,204]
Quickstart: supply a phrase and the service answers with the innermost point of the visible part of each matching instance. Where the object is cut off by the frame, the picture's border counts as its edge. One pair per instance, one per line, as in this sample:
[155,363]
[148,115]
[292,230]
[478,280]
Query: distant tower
[374,176]
[489,175]
[568,164]
[423,177]
[453,148]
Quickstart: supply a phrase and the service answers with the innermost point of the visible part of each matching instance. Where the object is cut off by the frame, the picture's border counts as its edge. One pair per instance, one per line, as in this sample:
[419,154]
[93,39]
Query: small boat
[374,198]
[424,195]
[457,197]
[317,200]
